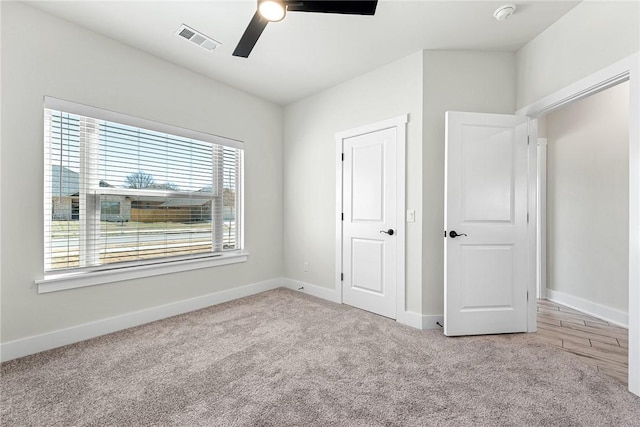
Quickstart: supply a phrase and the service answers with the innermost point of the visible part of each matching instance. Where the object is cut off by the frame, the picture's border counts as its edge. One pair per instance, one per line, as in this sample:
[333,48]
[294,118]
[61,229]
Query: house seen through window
[119,194]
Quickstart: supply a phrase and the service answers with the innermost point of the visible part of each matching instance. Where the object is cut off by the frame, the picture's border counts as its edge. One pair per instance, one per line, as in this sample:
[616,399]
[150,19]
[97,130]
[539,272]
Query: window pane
[62,201]
[117,193]
[153,227]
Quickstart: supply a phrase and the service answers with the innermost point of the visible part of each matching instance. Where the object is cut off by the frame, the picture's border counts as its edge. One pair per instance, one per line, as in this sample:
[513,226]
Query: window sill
[59,282]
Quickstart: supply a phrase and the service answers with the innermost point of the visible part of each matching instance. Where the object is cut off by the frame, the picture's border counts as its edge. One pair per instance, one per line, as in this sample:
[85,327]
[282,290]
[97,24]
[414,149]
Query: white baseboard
[431,322]
[35,344]
[409,318]
[600,311]
[420,321]
[314,290]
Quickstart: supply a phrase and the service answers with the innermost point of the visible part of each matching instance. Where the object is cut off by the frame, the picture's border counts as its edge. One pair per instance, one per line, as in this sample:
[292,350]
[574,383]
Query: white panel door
[486,224]
[369,233]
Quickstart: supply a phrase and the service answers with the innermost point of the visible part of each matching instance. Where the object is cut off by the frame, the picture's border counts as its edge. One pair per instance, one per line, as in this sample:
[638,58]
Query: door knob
[389,231]
[453,234]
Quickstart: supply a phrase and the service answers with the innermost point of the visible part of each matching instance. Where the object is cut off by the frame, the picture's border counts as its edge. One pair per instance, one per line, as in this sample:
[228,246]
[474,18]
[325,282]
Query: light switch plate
[411,215]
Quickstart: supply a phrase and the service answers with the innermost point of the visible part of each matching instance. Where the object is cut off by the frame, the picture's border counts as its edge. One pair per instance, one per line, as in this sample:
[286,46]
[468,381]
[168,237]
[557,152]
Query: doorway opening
[583,229]
[627,69]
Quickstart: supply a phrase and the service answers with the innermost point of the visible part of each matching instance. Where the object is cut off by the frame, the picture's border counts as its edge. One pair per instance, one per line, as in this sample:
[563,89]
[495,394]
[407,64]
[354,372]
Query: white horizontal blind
[118,195]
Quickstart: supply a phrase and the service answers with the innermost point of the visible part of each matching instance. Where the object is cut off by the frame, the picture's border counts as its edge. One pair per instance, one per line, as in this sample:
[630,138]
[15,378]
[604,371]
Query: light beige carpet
[282,358]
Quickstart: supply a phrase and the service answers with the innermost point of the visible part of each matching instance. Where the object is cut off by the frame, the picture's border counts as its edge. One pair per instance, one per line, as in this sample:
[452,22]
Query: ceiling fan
[275,10]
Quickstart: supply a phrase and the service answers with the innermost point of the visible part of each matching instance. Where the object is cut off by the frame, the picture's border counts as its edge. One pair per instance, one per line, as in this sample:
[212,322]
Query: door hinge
[342,216]
[527,295]
[527,217]
[341,277]
[343,157]
[445,234]
[528,140]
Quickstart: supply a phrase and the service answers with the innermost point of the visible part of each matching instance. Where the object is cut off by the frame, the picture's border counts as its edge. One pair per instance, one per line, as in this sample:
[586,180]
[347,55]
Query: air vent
[198,38]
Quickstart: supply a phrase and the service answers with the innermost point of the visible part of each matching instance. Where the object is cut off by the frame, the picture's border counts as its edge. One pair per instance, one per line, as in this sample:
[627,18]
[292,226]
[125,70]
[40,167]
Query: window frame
[98,274]
[110,208]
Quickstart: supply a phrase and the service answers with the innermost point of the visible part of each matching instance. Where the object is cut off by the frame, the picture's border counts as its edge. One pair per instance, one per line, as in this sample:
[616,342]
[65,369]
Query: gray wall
[482,82]
[43,55]
[591,36]
[588,198]
[310,168]
[425,85]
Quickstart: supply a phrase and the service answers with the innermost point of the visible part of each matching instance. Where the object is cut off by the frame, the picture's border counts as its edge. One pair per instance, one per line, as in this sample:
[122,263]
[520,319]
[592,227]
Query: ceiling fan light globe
[272,10]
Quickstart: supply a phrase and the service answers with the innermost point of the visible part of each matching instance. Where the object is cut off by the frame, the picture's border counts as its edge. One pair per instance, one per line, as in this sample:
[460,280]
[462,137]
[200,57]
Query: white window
[126,192]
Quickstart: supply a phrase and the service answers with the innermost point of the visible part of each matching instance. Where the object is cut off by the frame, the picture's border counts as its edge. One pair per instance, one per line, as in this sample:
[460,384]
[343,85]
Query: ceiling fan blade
[350,7]
[250,36]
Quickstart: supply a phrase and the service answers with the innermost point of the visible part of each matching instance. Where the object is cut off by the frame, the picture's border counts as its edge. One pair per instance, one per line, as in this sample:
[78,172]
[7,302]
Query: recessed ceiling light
[504,12]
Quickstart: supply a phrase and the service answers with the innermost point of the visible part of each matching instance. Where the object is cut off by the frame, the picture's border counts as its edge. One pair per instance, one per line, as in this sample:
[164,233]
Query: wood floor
[599,344]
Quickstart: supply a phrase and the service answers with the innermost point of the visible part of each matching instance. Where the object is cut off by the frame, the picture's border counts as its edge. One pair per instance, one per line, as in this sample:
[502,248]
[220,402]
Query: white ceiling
[307,52]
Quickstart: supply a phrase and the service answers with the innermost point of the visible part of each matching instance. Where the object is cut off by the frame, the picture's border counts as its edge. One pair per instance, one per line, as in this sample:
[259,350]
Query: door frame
[627,69]
[398,122]
[541,213]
